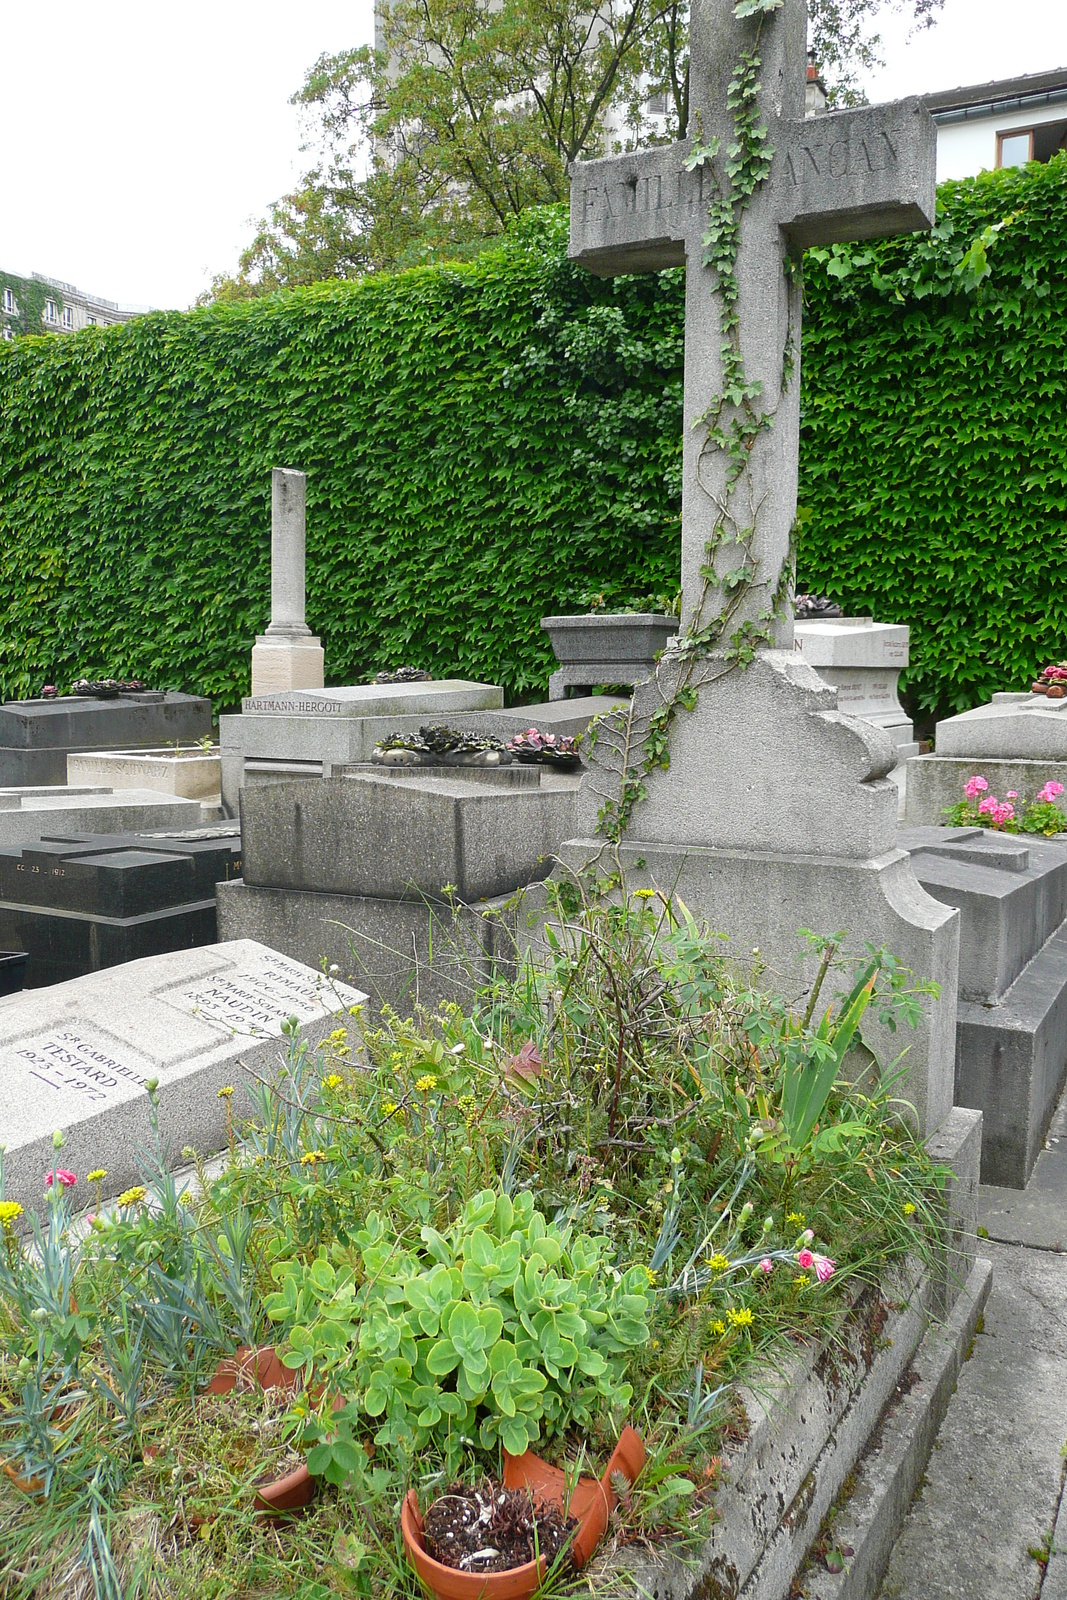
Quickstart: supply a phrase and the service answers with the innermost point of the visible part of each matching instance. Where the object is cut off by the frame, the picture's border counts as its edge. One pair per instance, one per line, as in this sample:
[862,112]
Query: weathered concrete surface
[994,1483]
[1036,1215]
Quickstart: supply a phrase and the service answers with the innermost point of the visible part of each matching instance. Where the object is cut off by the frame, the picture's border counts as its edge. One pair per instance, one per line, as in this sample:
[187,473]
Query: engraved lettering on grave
[256,1003]
[66,1060]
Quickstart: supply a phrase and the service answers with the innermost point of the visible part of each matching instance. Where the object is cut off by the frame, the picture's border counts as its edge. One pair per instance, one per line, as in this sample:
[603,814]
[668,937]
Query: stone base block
[402,952]
[936,782]
[585,675]
[761,900]
[192,774]
[287,664]
[1011,1062]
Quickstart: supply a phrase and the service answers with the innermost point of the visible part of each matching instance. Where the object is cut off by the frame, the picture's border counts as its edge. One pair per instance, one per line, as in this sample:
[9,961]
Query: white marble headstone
[76,1056]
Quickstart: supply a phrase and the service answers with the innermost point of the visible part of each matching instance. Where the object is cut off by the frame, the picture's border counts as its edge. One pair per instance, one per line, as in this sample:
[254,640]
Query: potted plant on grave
[1052,681]
[441,747]
[550,749]
[494,1331]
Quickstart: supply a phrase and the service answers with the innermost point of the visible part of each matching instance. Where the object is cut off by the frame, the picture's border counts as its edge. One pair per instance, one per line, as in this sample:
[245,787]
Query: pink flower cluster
[1047,795]
[998,811]
[64,1178]
[824,1267]
[974,787]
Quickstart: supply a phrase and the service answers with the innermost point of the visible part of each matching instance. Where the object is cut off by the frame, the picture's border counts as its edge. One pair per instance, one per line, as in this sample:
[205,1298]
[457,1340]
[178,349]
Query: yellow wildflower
[338,1036]
[312,1156]
[334,1081]
[426,1083]
[802,1280]
[354,1011]
[909,1209]
[644,894]
[796,1218]
[224,1094]
[650,1275]
[185,1198]
[97,1175]
[719,1262]
[391,1109]
[132,1197]
[718,1327]
[9,1210]
[739,1317]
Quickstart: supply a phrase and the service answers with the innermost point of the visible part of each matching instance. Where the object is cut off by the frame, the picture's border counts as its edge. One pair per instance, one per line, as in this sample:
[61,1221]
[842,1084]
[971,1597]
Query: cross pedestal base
[287,664]
[775,815]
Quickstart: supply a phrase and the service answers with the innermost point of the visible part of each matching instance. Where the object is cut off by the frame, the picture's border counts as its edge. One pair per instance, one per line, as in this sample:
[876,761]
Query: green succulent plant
[498,1329]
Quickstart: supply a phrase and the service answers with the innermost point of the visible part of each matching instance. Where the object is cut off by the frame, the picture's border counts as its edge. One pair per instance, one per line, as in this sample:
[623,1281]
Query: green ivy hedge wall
[489,442]
[483,444]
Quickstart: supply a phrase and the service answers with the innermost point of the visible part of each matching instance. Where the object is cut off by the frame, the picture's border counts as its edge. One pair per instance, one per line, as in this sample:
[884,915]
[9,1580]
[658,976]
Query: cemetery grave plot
[36,736]
[78,903]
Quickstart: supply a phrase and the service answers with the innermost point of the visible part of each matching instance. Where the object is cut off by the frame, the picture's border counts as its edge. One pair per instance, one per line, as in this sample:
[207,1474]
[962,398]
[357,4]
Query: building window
[50,311]
[68,317]
[92,322]
[1015,149]
[656,105]
[7,333]
[9,301]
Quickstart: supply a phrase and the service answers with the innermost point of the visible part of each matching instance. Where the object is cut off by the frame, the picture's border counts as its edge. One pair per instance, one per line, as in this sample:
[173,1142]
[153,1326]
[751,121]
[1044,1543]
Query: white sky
[140,142]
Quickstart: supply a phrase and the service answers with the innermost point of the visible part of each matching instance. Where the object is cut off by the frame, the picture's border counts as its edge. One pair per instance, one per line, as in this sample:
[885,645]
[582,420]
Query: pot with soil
[458,1548]
[238,1418]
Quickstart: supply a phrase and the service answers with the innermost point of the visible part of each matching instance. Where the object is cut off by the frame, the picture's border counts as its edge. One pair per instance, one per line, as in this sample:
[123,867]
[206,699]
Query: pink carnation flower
[766,1265]
[824,1268]
[974,787]
[65,1179]
[805,1259]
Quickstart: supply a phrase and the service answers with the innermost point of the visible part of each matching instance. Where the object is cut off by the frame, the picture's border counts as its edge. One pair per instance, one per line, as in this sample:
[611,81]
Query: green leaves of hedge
[934,444]
[483,442]
[487,442]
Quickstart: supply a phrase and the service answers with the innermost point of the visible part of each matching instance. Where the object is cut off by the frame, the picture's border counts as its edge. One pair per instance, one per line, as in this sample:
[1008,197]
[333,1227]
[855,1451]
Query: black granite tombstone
[80,902]
[36,736]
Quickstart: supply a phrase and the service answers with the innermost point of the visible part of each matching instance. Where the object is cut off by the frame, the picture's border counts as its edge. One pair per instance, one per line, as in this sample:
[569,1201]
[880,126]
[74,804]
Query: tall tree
[465,112]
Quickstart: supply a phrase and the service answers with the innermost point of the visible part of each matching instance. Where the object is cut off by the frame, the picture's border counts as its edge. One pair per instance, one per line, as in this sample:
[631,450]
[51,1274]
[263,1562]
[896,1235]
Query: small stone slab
[445,695]
[77,1056]
[27,814]
[1012,727]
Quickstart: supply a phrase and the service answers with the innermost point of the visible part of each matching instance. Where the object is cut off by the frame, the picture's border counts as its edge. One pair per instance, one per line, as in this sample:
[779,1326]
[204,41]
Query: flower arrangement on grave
[552,749]
[404,675]
[441,746]
[105,688]
[502,1225]
[981,808]
[1052,681]
[815,607]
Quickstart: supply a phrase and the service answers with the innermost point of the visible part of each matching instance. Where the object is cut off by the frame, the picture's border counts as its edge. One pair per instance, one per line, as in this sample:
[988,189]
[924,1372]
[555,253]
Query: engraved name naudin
[643,194]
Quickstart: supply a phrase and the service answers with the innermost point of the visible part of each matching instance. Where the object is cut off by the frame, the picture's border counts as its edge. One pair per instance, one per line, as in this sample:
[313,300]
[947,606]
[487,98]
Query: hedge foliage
[934,444]
[489,442]
[484,443]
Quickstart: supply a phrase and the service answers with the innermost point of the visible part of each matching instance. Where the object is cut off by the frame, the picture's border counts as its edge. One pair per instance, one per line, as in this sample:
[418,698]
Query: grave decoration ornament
[436,747]
[105,688]
[550,749]
[404,675]
[1052,681]
[815,608]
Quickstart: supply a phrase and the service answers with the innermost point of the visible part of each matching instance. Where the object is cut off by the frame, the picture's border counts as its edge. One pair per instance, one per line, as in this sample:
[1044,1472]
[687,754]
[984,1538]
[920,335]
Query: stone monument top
[860,174]
[288,655]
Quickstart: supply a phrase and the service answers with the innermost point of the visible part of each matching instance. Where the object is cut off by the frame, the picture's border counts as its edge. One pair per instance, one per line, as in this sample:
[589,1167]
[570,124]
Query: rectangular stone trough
[193,773]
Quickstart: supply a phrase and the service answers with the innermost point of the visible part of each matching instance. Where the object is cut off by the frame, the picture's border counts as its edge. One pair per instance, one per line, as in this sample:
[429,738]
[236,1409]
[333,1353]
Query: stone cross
[288,655]
[861,174]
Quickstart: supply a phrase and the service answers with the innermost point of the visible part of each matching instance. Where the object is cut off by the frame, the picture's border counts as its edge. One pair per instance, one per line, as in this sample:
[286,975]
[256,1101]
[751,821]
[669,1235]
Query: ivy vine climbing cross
[737,203]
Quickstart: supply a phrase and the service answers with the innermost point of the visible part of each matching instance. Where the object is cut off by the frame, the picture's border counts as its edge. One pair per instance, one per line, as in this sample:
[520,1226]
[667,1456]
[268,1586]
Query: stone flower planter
[606,647]
[190,773]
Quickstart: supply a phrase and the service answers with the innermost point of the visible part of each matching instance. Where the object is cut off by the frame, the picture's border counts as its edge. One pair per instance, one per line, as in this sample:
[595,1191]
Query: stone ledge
[890,1472]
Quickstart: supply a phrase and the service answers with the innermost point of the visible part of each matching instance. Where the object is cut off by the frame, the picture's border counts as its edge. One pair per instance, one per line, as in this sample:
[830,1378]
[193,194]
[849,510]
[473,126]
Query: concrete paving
[994,1488]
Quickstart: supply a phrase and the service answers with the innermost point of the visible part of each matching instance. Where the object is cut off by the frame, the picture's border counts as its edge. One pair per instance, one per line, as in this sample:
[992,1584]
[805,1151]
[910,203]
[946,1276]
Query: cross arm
[861,174]
[630,213]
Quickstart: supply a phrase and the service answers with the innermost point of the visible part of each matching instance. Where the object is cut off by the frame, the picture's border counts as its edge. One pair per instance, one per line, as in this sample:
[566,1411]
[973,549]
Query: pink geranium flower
[988,805]
[824,1268]
[766,1265]
[64,1178]
[974,787]
[805,1259]
[1049,793]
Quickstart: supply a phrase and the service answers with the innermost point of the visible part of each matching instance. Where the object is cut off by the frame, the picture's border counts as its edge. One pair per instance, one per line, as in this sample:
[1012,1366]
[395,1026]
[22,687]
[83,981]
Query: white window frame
[9,301]
[50,312]
[67,318]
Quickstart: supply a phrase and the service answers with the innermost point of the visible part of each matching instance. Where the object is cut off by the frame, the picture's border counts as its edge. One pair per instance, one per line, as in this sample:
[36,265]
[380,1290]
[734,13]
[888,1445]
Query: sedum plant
[501,1326]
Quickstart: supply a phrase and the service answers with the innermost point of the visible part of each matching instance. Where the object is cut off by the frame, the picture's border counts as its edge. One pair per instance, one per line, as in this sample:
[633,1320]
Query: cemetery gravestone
[1017,741]
[288,655]
[26,814]
[36,736]
[77,1057]
[863,660]
[78,903]
[774,813]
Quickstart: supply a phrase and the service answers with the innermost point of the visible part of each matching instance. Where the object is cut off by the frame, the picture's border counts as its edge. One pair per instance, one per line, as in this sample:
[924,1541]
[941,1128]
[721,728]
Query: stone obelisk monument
[288,655]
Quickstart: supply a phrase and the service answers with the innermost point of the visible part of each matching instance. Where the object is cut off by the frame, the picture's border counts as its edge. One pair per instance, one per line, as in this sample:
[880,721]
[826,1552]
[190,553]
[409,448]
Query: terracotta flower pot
[591,1503]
